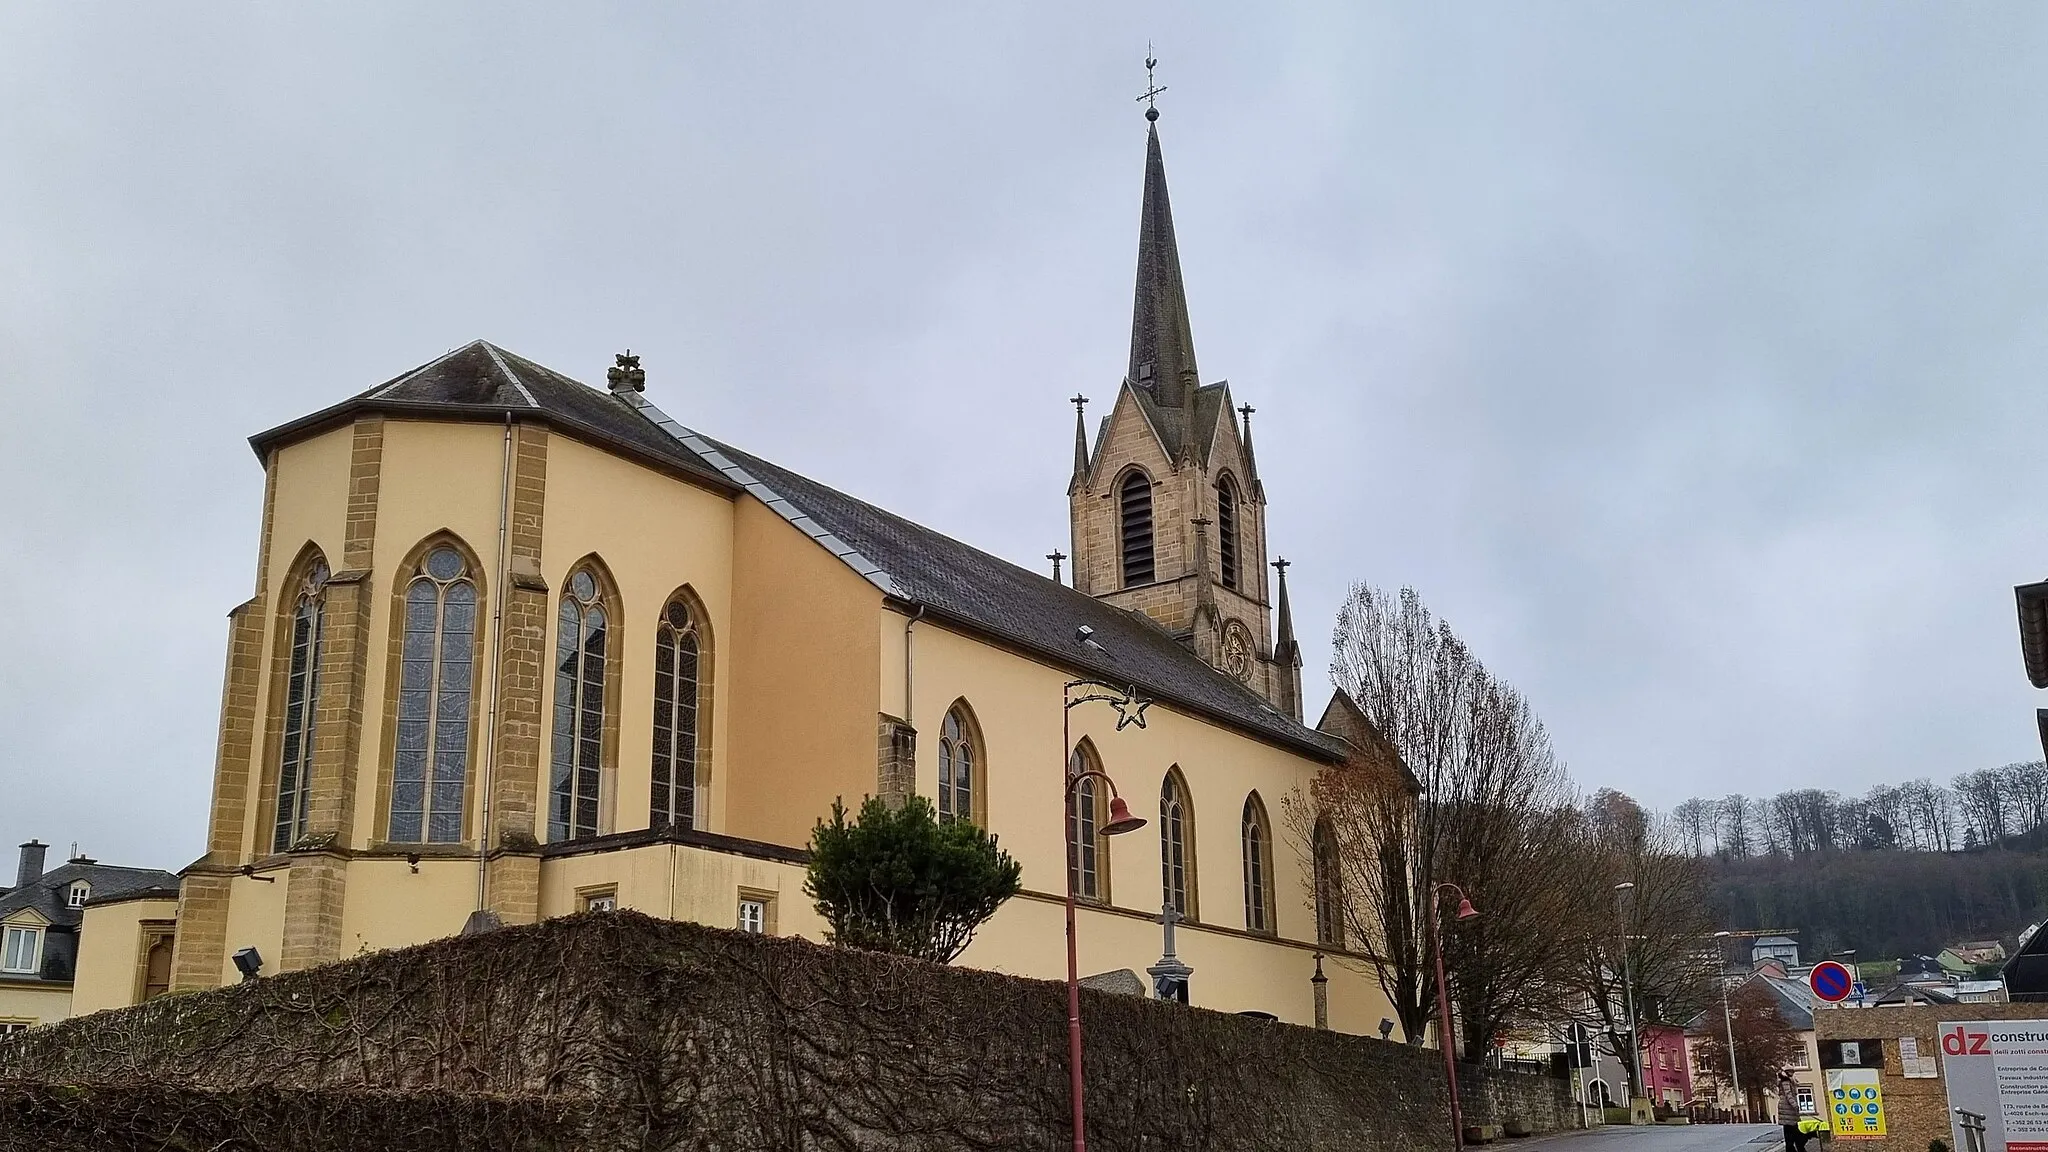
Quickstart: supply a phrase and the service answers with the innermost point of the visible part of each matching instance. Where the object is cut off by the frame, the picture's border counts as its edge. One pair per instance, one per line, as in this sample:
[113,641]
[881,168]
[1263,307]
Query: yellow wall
[680,883]
[803,690]
[255,920]
[388,905]
[42,1005]
[1018,703]
[309,504]
[1232,973]
[110,952]
[435,477]
[655,534]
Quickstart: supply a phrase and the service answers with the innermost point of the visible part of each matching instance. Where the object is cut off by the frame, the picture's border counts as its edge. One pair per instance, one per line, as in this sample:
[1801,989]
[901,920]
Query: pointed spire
[1286,650]
[1251,461]
[1162,342]
[1080,404]
[1287,653]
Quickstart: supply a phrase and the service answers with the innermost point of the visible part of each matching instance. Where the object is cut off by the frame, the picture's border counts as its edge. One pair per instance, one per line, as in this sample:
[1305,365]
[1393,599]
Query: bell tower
[1169,515]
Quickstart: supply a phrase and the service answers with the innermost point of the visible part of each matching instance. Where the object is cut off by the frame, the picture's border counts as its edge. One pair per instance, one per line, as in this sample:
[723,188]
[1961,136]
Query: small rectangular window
[21,950]
[10,1027]
[1806,1100]
[601,901]
[757,912]
[80,891]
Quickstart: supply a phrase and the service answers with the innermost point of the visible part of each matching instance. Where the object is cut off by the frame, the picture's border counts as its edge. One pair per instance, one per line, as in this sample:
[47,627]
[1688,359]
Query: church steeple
[1168,511]
[1162,340]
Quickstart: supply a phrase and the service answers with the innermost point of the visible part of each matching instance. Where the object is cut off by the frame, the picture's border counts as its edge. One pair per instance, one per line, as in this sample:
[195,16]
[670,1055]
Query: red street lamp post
[1443,1002]
[1130,711]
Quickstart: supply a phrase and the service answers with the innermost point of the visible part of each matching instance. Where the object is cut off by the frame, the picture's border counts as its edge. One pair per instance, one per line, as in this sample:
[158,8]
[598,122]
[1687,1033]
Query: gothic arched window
[301,701]
[1258,867]
[678,687]
[959,765]
[1329,887]
[1226,531]
[1134,501]
[1087,855]
[582,627]
[1176,845]
[430,756]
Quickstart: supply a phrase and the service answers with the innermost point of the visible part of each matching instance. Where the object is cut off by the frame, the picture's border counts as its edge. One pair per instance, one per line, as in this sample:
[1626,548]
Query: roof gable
[481,381]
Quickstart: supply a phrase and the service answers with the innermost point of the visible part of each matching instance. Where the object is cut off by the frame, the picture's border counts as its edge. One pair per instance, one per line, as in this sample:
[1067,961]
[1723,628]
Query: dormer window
[21,949]
[80,892]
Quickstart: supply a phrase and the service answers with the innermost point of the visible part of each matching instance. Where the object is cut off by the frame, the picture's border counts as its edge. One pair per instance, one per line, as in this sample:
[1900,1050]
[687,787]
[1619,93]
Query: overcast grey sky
[1686,357]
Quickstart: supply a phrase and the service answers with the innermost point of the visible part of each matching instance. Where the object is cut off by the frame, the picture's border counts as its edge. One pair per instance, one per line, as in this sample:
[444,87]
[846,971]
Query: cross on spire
[1056,556]
[1152,89]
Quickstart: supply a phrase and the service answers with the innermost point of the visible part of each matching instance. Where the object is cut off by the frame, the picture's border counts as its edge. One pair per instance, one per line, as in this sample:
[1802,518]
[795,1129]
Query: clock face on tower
[1237,651]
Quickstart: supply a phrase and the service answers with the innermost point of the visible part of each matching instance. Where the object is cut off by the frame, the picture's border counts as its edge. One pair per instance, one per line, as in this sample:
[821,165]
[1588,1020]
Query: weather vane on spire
[1152,88]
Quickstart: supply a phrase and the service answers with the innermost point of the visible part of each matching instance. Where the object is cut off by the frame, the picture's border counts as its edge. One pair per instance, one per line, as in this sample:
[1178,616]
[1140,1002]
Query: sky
[1687,359]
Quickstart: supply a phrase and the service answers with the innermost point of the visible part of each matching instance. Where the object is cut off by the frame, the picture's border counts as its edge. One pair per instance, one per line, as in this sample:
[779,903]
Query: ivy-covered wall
[620,1031]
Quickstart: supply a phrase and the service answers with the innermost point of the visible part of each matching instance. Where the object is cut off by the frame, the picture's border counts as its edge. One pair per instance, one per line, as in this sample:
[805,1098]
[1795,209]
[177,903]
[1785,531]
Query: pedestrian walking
[1788,1112]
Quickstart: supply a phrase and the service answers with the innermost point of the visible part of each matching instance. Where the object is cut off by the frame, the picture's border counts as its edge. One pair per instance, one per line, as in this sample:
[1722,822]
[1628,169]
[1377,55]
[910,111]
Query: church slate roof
[955,581]
[1026,610]
[484,382]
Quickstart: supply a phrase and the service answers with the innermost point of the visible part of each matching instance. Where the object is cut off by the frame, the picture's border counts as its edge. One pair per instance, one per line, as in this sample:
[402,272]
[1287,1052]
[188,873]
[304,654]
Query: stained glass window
[430,759]
[576,763]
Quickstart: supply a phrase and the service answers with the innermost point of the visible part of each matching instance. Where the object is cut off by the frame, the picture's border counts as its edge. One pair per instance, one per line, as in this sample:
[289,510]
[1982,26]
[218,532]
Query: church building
[520,647]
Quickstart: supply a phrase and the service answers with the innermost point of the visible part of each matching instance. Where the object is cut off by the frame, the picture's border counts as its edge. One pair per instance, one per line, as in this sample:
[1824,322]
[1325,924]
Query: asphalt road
[1665,1138]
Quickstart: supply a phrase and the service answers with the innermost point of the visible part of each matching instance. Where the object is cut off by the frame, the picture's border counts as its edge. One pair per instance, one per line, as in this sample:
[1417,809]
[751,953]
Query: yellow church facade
[520,647]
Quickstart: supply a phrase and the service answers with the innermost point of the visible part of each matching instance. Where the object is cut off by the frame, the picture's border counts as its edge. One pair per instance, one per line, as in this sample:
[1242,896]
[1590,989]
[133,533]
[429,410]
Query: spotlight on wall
[249,870]
[413,858]
[1386,1028]
[1085,637]
[249,962]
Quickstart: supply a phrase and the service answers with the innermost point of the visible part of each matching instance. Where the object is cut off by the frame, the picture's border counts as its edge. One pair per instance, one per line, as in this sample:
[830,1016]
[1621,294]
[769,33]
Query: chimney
[31,869]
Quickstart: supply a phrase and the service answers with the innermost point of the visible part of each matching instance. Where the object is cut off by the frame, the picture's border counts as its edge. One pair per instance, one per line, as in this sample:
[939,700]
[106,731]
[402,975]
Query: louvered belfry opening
[1136,501]
[1226,530]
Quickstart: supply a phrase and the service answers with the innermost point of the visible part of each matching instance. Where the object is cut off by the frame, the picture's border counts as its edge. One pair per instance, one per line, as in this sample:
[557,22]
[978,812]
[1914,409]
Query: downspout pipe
[504,576]
[909,667]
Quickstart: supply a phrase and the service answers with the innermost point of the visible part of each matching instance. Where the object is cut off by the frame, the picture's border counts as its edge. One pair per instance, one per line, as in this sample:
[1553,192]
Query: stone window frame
[765,899]
[609,595]
[1255,831]
[707,682]
[965,729]
[37,938]
[149,933]
[1123,482]
[1094,794]
[297,579]
[587,898]
[387,760]
[1326,860]
[1229,531]
[1175,784]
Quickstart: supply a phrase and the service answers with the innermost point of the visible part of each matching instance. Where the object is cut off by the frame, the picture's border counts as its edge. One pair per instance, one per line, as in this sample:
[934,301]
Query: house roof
[915,565]
[481,381]
[1795,1003]
[2032,600]
[49,895]
[1010,604]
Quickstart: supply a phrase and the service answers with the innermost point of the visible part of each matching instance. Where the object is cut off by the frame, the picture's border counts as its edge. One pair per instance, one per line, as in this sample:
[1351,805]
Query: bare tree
[2026,787]
[1651,939]
[1764,1043]
[1738,837]
[1694,820]
[1486,801]
[1982,802]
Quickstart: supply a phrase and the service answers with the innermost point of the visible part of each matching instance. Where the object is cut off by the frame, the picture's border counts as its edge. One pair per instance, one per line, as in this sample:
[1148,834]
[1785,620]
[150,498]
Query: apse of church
[1168,512]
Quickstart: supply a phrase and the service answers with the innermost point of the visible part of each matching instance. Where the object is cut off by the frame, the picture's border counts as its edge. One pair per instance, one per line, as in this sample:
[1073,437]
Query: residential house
[40,918]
